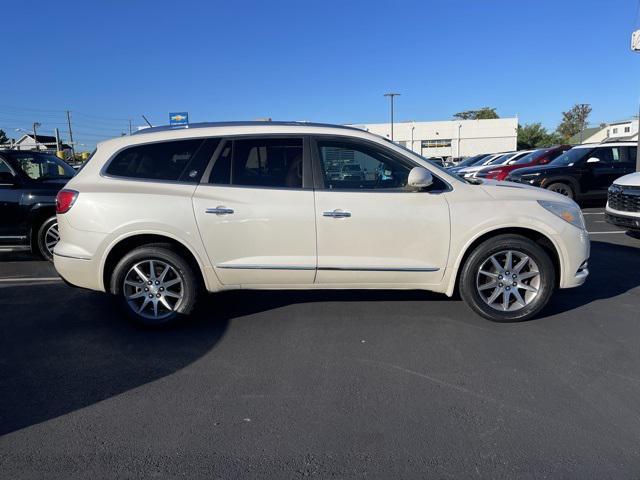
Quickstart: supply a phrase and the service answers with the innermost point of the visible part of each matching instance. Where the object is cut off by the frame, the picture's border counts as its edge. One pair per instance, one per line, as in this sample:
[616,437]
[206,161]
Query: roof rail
[252,123]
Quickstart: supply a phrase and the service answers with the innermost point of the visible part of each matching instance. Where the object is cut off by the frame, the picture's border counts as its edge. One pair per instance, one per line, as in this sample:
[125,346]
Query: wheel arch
[38,214]
[540,238]
[126,244]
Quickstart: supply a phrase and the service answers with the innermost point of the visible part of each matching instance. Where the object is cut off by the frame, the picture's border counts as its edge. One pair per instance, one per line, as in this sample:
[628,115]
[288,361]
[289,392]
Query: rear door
[255,211]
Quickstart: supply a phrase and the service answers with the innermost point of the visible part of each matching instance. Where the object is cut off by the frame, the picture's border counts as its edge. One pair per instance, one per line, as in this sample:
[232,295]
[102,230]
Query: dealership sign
[179,118]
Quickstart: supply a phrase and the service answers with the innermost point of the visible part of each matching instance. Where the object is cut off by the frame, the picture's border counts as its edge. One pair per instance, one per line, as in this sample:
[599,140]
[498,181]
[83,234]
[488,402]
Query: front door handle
[220,210]
[337,213]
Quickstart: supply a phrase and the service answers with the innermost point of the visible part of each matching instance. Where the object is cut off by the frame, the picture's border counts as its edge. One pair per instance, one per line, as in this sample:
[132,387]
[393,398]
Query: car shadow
[613,270]
[62,349]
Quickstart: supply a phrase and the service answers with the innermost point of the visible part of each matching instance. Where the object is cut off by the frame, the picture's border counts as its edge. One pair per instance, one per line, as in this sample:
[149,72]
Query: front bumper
[574,251]
[628,221]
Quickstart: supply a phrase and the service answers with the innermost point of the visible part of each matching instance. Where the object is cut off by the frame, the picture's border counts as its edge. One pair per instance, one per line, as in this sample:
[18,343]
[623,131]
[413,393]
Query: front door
[12,221]
[371,229]
[256,214]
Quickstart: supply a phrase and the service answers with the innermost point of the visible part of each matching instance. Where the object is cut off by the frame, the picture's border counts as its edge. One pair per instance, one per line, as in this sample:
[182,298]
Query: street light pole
[635,47]
[391,95]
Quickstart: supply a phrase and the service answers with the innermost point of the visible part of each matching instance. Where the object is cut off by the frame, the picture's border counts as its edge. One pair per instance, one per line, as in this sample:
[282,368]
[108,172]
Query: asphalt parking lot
[325,384]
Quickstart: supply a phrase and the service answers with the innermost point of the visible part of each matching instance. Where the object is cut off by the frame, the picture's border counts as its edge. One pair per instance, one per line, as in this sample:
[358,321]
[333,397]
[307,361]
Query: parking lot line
[600,233]
[593,213]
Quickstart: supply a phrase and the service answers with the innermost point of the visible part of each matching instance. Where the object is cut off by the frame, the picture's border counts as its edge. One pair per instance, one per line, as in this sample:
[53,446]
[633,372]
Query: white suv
[156,217]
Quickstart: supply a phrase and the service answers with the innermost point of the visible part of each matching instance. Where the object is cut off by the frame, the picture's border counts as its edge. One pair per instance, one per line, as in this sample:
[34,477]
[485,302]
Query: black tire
[563,189]
[44,236]
[469,289]
[160,254]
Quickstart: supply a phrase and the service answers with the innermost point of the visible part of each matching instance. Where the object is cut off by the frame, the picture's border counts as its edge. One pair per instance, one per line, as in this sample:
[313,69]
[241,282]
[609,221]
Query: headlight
[569,213]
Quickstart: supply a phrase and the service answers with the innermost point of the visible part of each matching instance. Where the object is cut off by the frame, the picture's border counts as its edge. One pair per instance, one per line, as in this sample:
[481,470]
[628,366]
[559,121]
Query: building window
[436,143]
[403,143]
[615,130]
[627,129]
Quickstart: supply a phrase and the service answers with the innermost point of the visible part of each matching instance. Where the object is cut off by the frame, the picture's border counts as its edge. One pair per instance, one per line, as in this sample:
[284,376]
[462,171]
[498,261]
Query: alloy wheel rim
[508,280]
[561,191]
[51,238]
[153,289]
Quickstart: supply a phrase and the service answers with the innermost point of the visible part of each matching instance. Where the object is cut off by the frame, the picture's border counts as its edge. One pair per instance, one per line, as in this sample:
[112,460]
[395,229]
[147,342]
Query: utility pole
[57,140]
[635,47]
[73,148]
[35,135]
[391,95]
[130,130]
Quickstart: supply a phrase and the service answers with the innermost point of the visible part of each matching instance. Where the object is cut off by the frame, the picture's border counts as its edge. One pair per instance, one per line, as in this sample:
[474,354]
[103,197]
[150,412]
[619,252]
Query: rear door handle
[337,213]
[220,210]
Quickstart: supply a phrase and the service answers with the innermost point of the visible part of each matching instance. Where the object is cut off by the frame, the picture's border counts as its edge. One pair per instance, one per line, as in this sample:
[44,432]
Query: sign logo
[179,118]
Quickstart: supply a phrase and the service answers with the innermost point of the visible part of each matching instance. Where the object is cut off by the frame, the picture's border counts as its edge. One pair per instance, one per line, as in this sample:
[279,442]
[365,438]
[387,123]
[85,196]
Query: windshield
[530,157]
[470,161]
[41,166]
[572,156]
[501,159]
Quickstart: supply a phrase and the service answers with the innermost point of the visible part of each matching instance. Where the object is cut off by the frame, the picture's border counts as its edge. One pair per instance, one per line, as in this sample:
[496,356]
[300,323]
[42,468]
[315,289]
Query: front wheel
[155,285]
[507,278]
[562,189]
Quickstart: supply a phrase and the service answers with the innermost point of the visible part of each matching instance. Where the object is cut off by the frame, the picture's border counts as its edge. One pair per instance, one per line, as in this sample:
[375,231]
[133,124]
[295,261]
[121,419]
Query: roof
[586,133]
[255,123]
[614,143]
[42,139]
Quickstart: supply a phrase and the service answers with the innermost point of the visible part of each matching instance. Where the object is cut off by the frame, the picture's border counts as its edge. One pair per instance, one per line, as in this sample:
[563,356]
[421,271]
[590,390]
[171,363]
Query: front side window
[41,166]
[155,161]
[349,165]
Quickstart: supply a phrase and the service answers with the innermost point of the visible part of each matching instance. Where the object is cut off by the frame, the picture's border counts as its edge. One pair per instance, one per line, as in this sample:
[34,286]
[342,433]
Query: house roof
[42,139]
[582,136]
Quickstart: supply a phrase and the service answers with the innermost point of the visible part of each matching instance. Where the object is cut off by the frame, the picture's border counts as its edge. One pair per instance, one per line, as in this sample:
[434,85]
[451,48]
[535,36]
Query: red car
[537,157]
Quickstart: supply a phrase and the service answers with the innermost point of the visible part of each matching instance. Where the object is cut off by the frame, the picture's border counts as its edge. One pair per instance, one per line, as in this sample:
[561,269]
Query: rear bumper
[77,272]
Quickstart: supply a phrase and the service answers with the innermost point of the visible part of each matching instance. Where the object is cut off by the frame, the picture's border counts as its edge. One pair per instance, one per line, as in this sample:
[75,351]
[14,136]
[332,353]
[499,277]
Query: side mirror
[419,178]
[6,179]
[593,160]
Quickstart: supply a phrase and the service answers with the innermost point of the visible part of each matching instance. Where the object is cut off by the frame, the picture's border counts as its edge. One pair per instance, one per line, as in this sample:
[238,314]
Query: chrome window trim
[347,268]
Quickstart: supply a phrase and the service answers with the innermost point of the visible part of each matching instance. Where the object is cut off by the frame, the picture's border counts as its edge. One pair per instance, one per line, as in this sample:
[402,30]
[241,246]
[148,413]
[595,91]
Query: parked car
[156,217]
[352,172]
[503,159]
[584,172]
[541,156]
[623,203]
[469,161]
[485,160]
[29,182]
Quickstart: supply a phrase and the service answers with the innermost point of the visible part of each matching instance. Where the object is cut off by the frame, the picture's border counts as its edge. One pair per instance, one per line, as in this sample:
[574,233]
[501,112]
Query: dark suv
[584,172]
[29,182]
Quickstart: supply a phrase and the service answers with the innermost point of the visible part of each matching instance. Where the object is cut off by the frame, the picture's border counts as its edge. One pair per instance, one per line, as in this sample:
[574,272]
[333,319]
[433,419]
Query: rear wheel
[562,189]
[48,237]
[155,285]
[507,278]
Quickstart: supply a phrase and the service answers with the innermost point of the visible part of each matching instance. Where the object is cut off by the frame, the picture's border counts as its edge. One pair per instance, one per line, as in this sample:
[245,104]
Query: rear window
[155,161]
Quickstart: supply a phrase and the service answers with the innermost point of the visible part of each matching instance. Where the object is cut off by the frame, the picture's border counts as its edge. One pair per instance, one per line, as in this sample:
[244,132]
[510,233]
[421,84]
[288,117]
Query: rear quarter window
[154,161]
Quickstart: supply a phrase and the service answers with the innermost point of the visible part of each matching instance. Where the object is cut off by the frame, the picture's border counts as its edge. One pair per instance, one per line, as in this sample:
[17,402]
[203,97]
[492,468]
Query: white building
[451,138]
[626,130]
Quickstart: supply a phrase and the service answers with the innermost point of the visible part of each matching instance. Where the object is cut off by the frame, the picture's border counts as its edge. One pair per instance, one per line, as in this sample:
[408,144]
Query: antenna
[148,122]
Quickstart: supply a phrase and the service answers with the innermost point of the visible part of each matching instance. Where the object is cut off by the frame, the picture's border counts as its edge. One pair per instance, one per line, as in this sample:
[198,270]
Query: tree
[482,114]
[574,120]
[3,137]
[534,135]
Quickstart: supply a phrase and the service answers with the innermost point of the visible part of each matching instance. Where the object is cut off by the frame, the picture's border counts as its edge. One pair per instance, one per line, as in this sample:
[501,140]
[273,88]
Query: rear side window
[155,161]
[268,162]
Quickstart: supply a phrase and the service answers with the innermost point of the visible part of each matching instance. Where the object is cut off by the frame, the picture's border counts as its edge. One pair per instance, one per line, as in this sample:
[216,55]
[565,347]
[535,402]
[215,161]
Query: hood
[517,191]
[473,169]
[631,180]
[538,169]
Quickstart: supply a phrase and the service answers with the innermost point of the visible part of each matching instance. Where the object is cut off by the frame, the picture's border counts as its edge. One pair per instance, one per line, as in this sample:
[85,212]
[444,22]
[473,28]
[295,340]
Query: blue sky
[327,61]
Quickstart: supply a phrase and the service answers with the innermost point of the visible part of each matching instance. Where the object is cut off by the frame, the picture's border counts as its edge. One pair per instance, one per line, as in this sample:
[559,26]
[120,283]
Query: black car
[584,172]
[29,183]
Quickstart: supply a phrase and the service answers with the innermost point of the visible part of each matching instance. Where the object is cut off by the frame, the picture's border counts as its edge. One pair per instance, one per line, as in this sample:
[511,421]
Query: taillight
[65,200]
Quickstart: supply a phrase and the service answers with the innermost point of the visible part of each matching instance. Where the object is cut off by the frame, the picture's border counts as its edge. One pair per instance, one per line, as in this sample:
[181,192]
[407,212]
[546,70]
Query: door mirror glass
[593,160]
[7,179]
[419,178]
